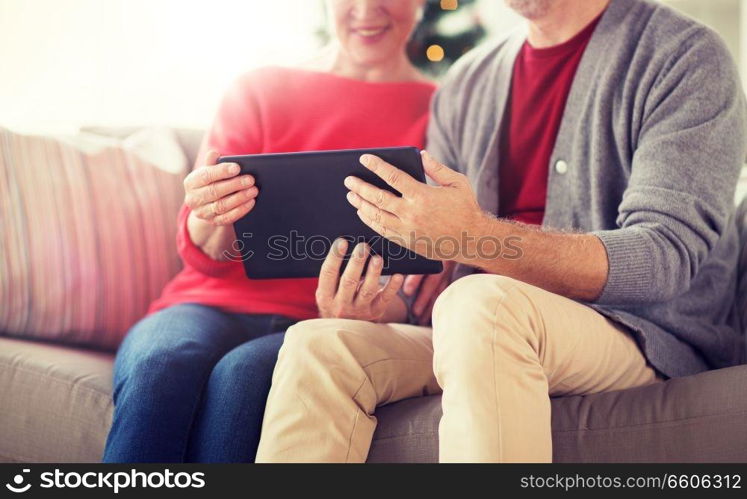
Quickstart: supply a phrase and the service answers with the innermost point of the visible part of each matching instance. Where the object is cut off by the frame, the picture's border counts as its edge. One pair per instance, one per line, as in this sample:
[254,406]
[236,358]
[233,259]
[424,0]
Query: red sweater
[275,110]
[540,84]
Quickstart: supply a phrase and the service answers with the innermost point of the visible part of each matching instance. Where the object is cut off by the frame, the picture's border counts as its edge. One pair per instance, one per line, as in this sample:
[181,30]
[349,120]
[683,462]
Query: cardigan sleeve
[236,129]
[679,197]
[441,140]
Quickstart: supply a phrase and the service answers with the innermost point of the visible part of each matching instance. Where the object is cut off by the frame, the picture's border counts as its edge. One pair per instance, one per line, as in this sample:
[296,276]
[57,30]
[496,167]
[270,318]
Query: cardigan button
[561,167]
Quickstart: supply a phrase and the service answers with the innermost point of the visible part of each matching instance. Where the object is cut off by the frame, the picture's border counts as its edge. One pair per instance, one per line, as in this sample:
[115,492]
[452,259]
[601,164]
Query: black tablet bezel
[326,216]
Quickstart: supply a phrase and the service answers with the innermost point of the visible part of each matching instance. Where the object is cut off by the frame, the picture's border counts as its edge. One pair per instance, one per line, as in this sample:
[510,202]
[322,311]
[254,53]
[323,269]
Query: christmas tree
[448,30]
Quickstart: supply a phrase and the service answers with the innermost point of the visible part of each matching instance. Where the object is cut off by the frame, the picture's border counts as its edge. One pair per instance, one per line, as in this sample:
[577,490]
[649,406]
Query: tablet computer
[302,208]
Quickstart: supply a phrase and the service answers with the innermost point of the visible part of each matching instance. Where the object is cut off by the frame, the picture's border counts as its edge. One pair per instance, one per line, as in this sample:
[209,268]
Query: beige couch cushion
[701,418]
[55,402]
[55,407]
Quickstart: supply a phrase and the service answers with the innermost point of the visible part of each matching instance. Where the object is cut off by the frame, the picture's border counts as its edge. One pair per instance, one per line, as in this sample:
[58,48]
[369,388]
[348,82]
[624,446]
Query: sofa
[55,406]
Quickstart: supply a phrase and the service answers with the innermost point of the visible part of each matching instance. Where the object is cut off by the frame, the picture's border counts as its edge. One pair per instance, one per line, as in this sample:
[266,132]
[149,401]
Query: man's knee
[476,294]
[319,338]
[466,314]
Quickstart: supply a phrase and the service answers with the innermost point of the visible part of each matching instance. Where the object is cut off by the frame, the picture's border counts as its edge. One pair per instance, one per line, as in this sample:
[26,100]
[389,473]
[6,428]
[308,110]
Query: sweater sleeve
[236,129]
[193,256]
[441,141]
[684,170]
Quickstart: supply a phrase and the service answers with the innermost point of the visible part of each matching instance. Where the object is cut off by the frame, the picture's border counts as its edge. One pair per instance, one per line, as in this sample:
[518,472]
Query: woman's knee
[253,360]
[163,346]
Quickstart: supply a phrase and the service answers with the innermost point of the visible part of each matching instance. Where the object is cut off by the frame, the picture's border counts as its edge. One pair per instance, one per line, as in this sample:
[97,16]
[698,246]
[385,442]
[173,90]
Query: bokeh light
[435,53]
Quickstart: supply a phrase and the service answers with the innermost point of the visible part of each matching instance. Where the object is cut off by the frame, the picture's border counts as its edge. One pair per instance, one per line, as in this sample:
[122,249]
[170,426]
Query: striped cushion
[87,229]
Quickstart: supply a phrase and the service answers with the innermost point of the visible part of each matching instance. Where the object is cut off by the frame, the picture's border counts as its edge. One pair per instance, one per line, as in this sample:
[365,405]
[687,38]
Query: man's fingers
[389,292]
[412,283]
[392,175]
[330,272]
[351,277]
[442,174]
[377,227]
[378,197]
[370,287]
[377,216]
[208,174]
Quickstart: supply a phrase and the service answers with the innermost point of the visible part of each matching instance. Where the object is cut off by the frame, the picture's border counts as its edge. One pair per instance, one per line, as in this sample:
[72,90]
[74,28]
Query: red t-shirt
[275,110]
[540,84]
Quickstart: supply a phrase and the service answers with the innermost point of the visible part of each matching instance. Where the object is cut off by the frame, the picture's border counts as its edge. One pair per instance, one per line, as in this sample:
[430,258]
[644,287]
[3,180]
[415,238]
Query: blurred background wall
[67,63]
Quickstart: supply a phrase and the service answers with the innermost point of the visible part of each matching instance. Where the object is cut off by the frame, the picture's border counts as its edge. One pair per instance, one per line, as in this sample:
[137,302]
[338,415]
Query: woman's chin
[372,58]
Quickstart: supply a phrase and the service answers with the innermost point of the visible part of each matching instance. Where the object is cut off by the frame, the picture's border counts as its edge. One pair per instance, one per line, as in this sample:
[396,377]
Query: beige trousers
[498,349]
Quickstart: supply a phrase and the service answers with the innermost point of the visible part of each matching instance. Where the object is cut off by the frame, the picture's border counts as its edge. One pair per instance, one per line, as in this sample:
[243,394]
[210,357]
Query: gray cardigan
[647,158]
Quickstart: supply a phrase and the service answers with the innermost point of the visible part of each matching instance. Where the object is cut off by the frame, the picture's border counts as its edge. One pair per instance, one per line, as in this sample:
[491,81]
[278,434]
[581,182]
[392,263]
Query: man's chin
[530,9]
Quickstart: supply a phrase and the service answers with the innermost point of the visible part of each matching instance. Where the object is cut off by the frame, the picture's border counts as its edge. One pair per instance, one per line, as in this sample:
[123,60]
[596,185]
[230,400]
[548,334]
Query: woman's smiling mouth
[370,32]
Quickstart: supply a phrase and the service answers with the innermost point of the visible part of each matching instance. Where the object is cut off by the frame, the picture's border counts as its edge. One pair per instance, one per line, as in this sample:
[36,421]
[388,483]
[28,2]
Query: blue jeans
[190,385]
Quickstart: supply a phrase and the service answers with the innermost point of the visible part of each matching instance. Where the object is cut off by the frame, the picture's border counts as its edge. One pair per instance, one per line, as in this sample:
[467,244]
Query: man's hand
[437,222]
[353,295]
[426,289]
[444,222]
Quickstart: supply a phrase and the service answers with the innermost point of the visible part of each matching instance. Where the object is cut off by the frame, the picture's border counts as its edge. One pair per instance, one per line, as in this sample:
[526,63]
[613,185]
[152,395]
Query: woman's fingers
[236,213]
[211,193]
[351,277]
[216,192]
[211,157]
[212,210]
[207,174]
[370,287]
[330,272]
[221,188]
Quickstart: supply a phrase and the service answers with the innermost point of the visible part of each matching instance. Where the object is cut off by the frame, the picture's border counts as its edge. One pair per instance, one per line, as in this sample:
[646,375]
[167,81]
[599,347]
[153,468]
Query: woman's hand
[217,196]
[352,295]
